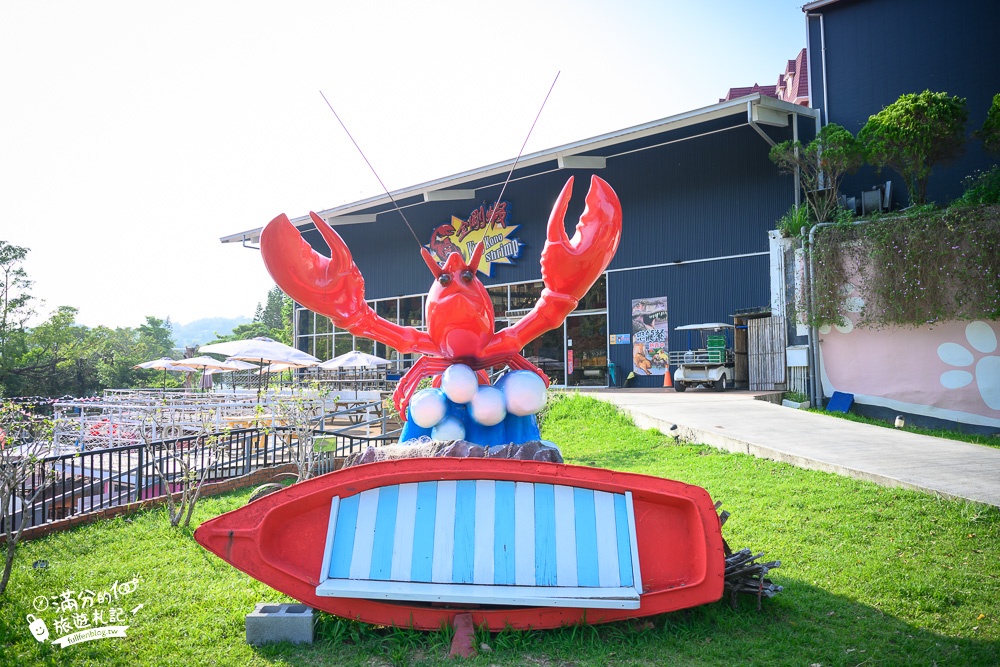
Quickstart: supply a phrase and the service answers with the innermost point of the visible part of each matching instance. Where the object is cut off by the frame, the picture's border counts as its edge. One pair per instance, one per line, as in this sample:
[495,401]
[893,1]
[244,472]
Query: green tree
[15,307]
[269,313]
[114,352]
[821,165]
[158,336]
[273,319]
[989,133]
[915,133]
[55,360]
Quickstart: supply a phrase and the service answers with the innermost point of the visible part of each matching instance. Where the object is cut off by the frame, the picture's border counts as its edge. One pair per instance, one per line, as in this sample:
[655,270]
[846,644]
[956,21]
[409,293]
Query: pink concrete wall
[947,370]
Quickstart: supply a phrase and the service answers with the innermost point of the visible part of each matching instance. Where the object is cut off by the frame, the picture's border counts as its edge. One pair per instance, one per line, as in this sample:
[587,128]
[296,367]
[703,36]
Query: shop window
[596,297]
[387,309]
[498,295]
[411,311]
[546,352]
[589,351]
[307,344]
[324,345]
[305,322]
[525,295]
[342,344]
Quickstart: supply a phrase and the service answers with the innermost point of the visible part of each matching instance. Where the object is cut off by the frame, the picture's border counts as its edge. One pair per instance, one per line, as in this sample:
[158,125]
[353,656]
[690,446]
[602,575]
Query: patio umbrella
[230,366]
[206,379]
[215,364]
[166,364]
[354,359]
[260,349]
[279,366]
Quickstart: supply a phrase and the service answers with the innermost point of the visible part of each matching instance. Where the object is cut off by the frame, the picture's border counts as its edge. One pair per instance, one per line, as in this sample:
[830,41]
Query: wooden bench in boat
[484,542]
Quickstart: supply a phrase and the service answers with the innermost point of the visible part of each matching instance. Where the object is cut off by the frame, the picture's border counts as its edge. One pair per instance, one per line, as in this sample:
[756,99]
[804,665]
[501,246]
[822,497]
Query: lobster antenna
[520,152]
[388,194]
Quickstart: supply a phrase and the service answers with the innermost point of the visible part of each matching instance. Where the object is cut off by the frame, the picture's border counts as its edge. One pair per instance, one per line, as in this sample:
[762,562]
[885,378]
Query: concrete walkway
[734,421]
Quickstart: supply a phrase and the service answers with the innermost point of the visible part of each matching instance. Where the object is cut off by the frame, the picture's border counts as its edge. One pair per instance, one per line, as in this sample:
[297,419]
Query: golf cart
[711,364]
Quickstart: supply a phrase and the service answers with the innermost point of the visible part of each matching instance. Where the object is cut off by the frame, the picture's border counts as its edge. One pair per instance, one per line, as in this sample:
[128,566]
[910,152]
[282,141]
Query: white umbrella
[215,364]
[241,365]
[279,366]
[210,365]
[354,359]
[261,349]
[166,364]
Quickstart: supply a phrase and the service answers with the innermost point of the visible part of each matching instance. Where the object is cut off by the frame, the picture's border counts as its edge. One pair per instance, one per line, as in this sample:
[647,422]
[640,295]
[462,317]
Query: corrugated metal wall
[704,197]
[696,293]
[698,199]
[880,49]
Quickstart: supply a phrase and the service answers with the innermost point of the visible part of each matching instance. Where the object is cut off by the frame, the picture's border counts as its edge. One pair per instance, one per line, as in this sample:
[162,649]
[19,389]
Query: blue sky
[134,135]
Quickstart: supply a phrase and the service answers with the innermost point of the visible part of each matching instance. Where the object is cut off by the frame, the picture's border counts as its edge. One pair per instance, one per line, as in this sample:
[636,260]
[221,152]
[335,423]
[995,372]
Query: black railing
[94,480]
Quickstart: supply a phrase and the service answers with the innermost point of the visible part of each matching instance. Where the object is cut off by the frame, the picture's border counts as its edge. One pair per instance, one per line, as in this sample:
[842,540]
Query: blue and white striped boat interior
[484,542]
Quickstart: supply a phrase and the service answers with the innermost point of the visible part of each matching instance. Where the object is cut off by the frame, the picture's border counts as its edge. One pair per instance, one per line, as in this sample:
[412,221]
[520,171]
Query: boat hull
[280,540]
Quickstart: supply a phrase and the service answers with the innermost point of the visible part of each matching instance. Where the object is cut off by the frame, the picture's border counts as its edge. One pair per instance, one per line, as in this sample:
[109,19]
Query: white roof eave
[704,114]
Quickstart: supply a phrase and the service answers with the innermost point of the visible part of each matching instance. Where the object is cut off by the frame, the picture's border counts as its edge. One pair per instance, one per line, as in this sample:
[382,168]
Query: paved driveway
[734,421]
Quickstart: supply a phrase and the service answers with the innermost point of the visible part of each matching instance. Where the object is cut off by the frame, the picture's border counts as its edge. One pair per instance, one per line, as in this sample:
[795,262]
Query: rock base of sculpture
[536,450]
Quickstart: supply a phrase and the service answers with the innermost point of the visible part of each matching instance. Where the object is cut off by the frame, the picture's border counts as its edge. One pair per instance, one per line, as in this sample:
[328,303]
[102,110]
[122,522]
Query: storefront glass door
[587,350]
[547,353]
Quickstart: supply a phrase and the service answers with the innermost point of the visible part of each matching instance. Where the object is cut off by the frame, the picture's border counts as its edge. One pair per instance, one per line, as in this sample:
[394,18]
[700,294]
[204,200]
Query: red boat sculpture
[415,542]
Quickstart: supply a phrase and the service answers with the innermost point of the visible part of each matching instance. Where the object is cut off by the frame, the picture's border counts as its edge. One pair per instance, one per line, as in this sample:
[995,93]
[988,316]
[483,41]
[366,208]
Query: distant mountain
[205,330]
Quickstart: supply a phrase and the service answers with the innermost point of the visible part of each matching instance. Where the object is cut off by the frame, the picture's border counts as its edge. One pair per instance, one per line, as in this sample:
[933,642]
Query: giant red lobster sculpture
[459,313]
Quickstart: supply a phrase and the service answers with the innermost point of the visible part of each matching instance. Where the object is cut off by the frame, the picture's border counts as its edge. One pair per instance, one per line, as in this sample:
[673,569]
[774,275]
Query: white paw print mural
[853,304]
[986,373]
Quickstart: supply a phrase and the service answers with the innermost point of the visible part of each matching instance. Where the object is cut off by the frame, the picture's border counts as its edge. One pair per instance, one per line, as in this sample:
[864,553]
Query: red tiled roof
[770,91]
[797,90]
[803,79]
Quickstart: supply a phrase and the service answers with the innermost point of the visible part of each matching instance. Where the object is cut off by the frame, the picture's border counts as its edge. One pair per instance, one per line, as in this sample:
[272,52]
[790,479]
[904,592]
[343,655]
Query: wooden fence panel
[767,353]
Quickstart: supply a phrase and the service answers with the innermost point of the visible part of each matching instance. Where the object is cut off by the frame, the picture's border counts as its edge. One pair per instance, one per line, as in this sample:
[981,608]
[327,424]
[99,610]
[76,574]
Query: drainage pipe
[822,47]
[815,384]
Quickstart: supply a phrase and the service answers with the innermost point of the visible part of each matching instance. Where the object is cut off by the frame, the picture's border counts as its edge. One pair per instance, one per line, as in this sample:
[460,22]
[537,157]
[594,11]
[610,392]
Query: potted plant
[794,399]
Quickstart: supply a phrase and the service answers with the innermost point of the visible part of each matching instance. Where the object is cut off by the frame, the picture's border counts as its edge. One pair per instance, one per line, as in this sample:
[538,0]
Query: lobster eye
[467,276]
[444,279]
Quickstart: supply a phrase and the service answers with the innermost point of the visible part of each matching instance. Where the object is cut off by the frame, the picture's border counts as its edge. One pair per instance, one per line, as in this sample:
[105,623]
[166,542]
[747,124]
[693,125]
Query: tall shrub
[989,133]
[821,164]
[915,133]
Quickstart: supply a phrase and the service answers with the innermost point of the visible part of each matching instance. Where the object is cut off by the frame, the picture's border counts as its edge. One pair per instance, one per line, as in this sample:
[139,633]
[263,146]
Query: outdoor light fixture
[581,162]
[449,195]
[363,218]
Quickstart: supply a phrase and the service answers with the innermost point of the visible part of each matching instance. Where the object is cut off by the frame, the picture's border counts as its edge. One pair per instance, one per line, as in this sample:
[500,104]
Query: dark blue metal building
[698,195]
[864,54]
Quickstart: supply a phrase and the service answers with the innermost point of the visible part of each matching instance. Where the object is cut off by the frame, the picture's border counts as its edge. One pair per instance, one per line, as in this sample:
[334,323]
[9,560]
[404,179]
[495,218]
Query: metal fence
[92,480]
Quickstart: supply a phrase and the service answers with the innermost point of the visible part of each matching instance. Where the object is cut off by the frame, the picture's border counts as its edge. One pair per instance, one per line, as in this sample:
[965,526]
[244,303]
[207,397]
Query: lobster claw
[332,287]
[571,266]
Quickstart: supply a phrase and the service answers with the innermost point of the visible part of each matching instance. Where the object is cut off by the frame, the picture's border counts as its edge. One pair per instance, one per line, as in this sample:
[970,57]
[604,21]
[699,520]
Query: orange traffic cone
[668,380]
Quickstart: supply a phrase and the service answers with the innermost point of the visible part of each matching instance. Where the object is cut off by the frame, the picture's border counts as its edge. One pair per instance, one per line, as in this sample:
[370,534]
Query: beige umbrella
[166,364]
[260,349]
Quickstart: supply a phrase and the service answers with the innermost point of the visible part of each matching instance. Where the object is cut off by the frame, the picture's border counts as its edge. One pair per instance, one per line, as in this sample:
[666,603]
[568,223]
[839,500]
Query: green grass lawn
[992,440]
[872,576]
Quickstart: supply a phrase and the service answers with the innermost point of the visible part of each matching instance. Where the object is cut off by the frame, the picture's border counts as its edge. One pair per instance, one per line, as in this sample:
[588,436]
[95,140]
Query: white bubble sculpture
[449,429]
[459,383]
[524,393]
[427,407]
[488,406]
